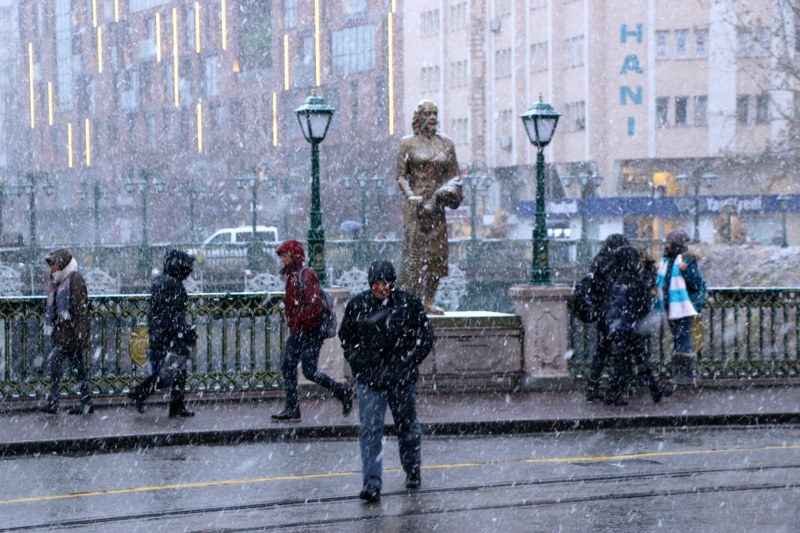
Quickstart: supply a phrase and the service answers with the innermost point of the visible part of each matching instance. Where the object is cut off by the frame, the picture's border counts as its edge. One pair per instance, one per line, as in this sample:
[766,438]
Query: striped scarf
[680,305]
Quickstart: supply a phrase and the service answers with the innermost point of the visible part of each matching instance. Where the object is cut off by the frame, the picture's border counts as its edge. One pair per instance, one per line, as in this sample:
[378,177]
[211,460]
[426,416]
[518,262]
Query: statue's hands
[415,200]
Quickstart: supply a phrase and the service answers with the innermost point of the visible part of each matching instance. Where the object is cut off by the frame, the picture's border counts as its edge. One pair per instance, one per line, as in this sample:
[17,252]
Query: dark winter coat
[385,341]
[603,266]
[169,330]
[303,300]
[71,329]
[628,299]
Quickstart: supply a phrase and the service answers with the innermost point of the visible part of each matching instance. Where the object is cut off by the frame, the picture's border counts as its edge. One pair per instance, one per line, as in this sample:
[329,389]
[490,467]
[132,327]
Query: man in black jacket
[171,337]
[385,336]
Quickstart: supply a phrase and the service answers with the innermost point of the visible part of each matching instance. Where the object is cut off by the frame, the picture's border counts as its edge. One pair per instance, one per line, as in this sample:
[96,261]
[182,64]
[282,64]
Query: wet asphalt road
[722,479]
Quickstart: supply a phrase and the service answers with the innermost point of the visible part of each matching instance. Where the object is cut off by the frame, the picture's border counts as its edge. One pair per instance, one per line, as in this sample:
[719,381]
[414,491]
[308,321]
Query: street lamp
[252,179]
[709,178]
[194,191]
[475,183]
[783,205]
[92,187]
[26,184]
[142,183]
[588,185]
[540,122]
[315,117]
[362,185]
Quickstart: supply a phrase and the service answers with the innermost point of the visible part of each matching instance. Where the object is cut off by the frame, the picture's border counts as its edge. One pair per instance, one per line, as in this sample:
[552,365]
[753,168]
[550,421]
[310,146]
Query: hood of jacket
[294,249]
[381,270]
[178,264]
[61,258]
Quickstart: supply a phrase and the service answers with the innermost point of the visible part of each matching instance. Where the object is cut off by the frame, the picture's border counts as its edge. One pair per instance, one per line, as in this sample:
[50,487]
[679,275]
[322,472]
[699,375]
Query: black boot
[137,396]
[83,408]
[50,407]
[177,407]
[347,401]
[288,415]
[593,391]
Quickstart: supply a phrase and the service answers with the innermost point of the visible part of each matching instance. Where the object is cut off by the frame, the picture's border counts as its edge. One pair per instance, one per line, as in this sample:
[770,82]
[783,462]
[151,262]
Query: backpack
[618,313]
[330,322]
[583,302]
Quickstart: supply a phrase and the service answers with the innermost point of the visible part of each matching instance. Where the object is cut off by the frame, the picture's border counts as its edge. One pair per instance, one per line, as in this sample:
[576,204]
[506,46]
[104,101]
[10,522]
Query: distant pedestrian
[681,293]
[304,316]
[385,336]
[602,273]
[66,322]
[626,309]
[171,337]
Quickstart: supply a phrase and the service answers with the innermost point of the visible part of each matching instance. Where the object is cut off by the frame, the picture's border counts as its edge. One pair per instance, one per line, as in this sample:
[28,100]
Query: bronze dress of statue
[428,177]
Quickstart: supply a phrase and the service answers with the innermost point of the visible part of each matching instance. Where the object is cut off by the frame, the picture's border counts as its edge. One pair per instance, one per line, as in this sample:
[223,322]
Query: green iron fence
[240,342]
[745,332]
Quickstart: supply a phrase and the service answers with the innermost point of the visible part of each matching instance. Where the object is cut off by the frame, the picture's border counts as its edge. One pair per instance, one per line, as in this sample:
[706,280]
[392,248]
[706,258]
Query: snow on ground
[749,265]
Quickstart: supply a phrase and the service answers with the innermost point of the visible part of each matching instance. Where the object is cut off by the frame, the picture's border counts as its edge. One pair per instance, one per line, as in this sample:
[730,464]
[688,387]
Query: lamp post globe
[314,117]
[540,121]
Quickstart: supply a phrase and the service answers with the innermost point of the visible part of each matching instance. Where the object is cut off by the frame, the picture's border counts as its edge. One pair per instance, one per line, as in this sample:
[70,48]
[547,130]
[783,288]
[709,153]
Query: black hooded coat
[384,341]
[168,300]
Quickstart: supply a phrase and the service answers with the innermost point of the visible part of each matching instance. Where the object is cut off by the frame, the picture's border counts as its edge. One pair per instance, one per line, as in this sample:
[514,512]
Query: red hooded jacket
[303,307]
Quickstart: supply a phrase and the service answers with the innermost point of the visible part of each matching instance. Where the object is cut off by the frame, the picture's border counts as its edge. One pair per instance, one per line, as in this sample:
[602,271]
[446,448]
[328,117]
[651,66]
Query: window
[185,85]
[662,44]
[762,42]
[502,63]
[429,78]
[701,43]
[743,109]
[353,50]
[460,130]
[289,13]
[63,54]
[662,112]
[354,7]
[681,110]
[458,17]
[429,23]
[539,57]
[762,108]
[682,44]
[211,76]
[701,110]
[147,46]
[305,70]
[575,115]
[253,28]
[152,131]
[459,73]
[502,8]
[743,43]
[573,52]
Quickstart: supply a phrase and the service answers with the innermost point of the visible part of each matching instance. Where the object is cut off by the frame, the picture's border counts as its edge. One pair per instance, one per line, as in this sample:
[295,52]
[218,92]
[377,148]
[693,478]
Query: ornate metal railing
[745,332]
[240,342]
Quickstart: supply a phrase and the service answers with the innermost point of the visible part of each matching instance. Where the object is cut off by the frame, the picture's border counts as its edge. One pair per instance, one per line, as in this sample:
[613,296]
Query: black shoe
[347,401]
[413,481]
[180,410]
[48,407]
[287,415]
[370,494]
[593,393]
[138,399]
[81,409]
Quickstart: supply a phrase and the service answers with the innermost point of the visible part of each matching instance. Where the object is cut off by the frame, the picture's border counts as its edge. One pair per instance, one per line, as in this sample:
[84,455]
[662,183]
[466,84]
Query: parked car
[227,247]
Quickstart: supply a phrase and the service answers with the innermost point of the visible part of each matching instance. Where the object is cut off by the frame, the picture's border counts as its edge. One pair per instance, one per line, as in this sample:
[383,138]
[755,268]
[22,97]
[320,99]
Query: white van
[227,247]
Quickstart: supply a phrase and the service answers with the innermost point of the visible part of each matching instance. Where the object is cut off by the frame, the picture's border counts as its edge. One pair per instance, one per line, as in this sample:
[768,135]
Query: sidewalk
[114,426]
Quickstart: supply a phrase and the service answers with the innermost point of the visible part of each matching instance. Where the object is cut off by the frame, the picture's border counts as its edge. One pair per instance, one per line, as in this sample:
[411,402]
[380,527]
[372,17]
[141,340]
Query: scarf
[680,306]
[59,297]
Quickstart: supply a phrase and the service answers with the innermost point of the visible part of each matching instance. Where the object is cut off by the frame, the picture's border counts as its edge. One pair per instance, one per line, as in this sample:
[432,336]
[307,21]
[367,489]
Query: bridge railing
[240,341]
[742,332]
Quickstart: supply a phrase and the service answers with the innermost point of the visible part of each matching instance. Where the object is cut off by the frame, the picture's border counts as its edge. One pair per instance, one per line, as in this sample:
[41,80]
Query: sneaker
[370,494]
[47,407]
[413,481]
[287,415]
[81,409]
[181,411]
[347,401]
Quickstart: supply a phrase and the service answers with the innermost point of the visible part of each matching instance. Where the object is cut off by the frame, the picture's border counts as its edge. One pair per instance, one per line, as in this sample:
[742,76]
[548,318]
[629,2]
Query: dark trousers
[304,348]
[631,359]
[601,354]
[57,357]
[176,377]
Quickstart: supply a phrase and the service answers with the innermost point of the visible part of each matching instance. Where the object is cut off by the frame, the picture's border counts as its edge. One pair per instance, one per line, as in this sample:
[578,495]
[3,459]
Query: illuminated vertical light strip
[224,18]
[69,144]
[94,13]
[88,143]
[158,37]
[197,26]
[199,127]
[286,62]
[394,6]
[116,10]
[316,40]
[391,75]
[50,102]
[175,56]
[100,49]
[274,119]
[30,81]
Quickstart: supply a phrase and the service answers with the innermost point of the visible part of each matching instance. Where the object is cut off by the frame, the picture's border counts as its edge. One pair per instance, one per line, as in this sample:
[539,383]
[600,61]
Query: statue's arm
[449,193]
[402,173]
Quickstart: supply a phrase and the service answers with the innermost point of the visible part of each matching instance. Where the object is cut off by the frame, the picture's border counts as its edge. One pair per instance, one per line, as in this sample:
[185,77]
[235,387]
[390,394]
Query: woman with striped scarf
[680,294]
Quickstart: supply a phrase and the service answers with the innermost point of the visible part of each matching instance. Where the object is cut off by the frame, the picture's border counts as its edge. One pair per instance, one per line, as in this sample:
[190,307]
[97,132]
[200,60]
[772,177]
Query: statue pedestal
[543,312]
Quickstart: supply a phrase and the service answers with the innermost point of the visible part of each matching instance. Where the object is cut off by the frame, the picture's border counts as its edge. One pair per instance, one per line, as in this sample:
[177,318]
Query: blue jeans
[402,401]
[304,348]
[681,329]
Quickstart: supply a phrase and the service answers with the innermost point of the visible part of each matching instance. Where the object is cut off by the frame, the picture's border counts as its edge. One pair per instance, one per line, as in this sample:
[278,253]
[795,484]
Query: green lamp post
[709,178]
[783,205]
[315,117]
[252,178]
[27,184]
[587,184]
[141,180]
[540,121]
[93,188]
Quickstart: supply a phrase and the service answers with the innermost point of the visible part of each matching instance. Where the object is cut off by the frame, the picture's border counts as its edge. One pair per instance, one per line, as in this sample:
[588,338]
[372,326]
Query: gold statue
[428,177]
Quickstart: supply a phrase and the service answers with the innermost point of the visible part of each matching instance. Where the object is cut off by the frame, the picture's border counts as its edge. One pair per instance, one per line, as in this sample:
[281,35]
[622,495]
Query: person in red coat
[304,304]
